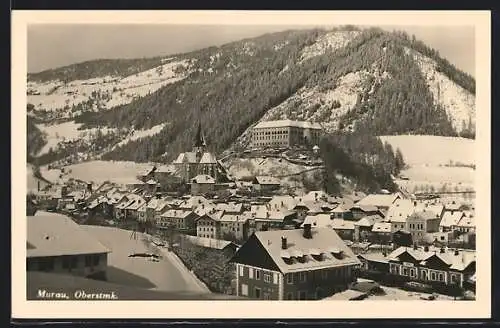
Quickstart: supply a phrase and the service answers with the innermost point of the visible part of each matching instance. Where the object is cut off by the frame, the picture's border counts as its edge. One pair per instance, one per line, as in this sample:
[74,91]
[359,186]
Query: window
[257,292]
[289,296]
[289,278]
[433,276]
[88,260]
[257,274]
[301,295]
[453,278]
[324,275]
[441,277]
[275,278]
[267,296]
[302,276]
[244,289]
[267,277]
[241,271]
[250,273]
[424,275]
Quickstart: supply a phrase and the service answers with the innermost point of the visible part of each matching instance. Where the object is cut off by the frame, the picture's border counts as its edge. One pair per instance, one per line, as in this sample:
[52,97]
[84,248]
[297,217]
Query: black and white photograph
[245,158]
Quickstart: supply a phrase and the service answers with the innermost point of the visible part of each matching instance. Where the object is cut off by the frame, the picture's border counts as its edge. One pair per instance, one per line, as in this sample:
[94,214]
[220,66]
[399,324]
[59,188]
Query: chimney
[158,195]
[415,203]
[442,250]
[89,187]
[38,185]
[415,247]
[283,243]
[307,231]
[456,252]
[426,248]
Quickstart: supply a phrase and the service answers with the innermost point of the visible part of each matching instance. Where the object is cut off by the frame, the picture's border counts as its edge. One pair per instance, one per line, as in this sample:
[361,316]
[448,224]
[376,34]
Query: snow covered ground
[115,91]
[459,103]
[98,171]
[67,131]
[139,271]
[139,134]
[245,167]
[436,163]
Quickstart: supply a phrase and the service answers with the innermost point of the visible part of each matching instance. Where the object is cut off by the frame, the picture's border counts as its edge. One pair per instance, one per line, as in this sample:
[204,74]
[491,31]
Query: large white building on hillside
[285,133]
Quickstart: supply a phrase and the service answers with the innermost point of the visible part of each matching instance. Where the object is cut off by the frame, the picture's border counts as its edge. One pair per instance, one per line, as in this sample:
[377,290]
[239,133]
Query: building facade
[285,133]
[298,264]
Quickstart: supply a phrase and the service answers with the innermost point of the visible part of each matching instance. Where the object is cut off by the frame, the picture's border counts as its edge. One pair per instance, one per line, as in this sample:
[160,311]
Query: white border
[21,308]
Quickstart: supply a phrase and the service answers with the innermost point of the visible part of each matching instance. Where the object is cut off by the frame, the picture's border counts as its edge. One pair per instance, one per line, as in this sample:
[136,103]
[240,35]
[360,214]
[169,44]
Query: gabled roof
[318,220]
[282,202]
[230,207]
[179,214]
[287,123]
[381,227]
[208,158]
[424,215]
[235,217]
[324,241]
[378,200]
[467,222]
[194,202]
[266,215]
[367,221]
[456,261]
[267,180]
[365,208]
[341,224]
[451,218]
[203,179]
[56,235]
[212,214]
[316,195]
[187,157]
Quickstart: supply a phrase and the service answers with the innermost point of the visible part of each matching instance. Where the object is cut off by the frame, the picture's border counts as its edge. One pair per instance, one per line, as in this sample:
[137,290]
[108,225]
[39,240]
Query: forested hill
[347,79]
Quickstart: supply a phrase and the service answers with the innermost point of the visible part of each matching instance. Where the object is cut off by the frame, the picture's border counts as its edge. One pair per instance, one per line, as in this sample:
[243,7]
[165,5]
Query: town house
[360,211]
[177,219]
[435,266]
[208,225]
[421,223]
[298,264]
[234,226]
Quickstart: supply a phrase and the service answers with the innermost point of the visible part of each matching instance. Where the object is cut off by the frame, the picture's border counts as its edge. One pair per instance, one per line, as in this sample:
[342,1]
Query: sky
[51,46]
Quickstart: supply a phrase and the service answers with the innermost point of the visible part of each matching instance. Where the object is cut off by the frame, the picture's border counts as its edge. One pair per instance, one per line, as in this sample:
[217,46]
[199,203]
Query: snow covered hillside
[105,92]
[329,41]
[460,104]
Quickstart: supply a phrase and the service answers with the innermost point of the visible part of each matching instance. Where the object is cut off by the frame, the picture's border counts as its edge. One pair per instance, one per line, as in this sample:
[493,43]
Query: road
[166,275]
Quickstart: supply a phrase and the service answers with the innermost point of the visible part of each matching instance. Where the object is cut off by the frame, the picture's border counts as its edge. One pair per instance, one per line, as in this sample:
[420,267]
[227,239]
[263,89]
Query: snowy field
[139,134]
[99,171]
[67,131]
[54,95]
[428,158]
[433,150]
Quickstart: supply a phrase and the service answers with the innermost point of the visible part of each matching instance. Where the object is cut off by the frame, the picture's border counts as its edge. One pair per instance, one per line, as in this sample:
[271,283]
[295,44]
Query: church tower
[199,143]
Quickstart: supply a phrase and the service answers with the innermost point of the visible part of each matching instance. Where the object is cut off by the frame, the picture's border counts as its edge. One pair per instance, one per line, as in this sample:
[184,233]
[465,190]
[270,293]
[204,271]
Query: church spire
[199,140]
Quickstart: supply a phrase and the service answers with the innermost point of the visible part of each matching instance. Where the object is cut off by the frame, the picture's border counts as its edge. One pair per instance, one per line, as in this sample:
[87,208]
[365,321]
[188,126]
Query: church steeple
[199,141]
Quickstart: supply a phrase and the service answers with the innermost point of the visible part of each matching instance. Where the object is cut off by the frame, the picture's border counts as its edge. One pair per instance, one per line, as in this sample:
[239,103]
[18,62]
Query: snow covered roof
[456,259]
[176,214]
[187,157]
[379,200]
[342,224]
[203,179]
[208,158]
[381,227]
[318,221]
[56,235]
[451,218]
[267,180]
[287,123]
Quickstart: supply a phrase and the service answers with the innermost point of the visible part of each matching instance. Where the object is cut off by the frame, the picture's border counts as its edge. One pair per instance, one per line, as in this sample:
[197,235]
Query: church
[198,161]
